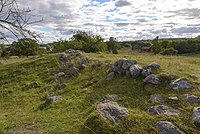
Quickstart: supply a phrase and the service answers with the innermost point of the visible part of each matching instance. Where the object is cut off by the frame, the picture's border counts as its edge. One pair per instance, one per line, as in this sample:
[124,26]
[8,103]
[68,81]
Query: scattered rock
[64,58]
[74,71]
[111,97]
[61,74]
[152,79]
[50,94]
[181,83]
[112,111]
[191,99]
[127,63]
[173,98]
[82,66]
[146,71]
[166,127]
[153,65]
[163,110]
[53,99]
[35,84]
[110,76]
[85,60]
[156,98]
[135,70]
[196,116]
[73,52]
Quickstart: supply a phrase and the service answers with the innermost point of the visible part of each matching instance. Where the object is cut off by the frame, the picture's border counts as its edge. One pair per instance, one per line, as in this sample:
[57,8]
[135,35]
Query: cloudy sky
[123,19]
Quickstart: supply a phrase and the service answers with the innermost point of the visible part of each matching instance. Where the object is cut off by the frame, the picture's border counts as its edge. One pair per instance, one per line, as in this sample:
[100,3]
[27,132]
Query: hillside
[26,83]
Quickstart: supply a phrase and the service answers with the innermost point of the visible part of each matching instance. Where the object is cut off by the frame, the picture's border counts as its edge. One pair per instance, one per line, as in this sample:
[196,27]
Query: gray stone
[196,116]
[163,110]
[59,86]
[127,63]
[61,74]
[82,66]
[191,99]
[112,111]
[74,71]
[135,70]
[35,84]
[63,58]
[146,71]
[53,99]
[120,62]
[110,76]
[181,83]
[156,98]
[154,65]
[173,98]
[116,69]
[166,127]
[85,60]
[152,79]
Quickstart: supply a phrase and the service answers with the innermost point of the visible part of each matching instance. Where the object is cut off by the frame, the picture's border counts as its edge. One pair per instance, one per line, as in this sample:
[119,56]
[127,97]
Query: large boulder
[181,83]
[156,98]
[120,62]
[146,71]
[110,76]
[53,99]
[153,65]
[163,110]
[127,63]
[135,70]
[152,79]
[191,99]
[166,127]
[196,116]
[112,111]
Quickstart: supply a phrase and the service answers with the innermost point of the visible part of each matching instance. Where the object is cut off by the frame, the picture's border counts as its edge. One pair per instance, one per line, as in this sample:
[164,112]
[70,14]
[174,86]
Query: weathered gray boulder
[191,99]
[146,71]
[74,71]
[163,110]
[112,111]
[110,76]
[63,58]
[135,70]
[166,127]
[196,116]
[152,79]
[85,60]
[154,65]
[73,52]
[156,98]
[173,98]
[116,69]
[61,74]
[120,62]
[127,63]
[53,99]
[181,83]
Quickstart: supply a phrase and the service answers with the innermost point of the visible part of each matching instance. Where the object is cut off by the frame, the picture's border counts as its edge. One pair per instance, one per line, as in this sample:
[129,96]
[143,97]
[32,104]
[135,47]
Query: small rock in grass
[53,99]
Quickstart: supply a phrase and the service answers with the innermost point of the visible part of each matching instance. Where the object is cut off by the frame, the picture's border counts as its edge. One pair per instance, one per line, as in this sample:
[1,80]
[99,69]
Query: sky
[123,19]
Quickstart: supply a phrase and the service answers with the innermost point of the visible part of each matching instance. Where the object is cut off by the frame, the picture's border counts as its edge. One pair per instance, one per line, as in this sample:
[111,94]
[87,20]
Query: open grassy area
[76,113]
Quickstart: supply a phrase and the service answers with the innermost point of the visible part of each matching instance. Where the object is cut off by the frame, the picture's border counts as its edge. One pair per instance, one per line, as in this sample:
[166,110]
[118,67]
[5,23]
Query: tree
[113,45]
[15,21]
[156,46]
[24,46]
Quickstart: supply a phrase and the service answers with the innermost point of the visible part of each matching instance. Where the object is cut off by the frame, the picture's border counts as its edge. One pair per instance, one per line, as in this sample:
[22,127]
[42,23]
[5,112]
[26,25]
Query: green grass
[76,113]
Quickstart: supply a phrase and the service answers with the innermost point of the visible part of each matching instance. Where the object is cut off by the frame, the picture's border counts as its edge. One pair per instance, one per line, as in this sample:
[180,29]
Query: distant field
[20,102]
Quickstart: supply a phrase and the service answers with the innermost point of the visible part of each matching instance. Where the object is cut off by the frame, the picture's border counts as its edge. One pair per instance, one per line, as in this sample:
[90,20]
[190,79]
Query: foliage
[24,46]
[113,45]
[169,51]
[156,46]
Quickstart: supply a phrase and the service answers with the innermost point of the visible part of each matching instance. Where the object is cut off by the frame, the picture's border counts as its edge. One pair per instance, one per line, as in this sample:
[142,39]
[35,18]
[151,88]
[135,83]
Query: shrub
[169,51]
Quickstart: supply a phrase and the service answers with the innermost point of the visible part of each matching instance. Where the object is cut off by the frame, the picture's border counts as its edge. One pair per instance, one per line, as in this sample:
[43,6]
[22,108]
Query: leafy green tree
[113,45]
[24,46]
[156,48]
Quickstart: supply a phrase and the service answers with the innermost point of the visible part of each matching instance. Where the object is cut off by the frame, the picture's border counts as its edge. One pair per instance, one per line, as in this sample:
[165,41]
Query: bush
[169,51]
[24,46]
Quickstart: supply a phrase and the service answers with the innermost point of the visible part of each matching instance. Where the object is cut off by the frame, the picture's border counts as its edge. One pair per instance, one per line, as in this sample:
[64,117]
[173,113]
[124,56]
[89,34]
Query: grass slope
[20,102]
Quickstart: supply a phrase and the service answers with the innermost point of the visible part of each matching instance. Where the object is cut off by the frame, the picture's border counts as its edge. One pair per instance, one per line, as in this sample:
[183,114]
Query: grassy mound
[20,102]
